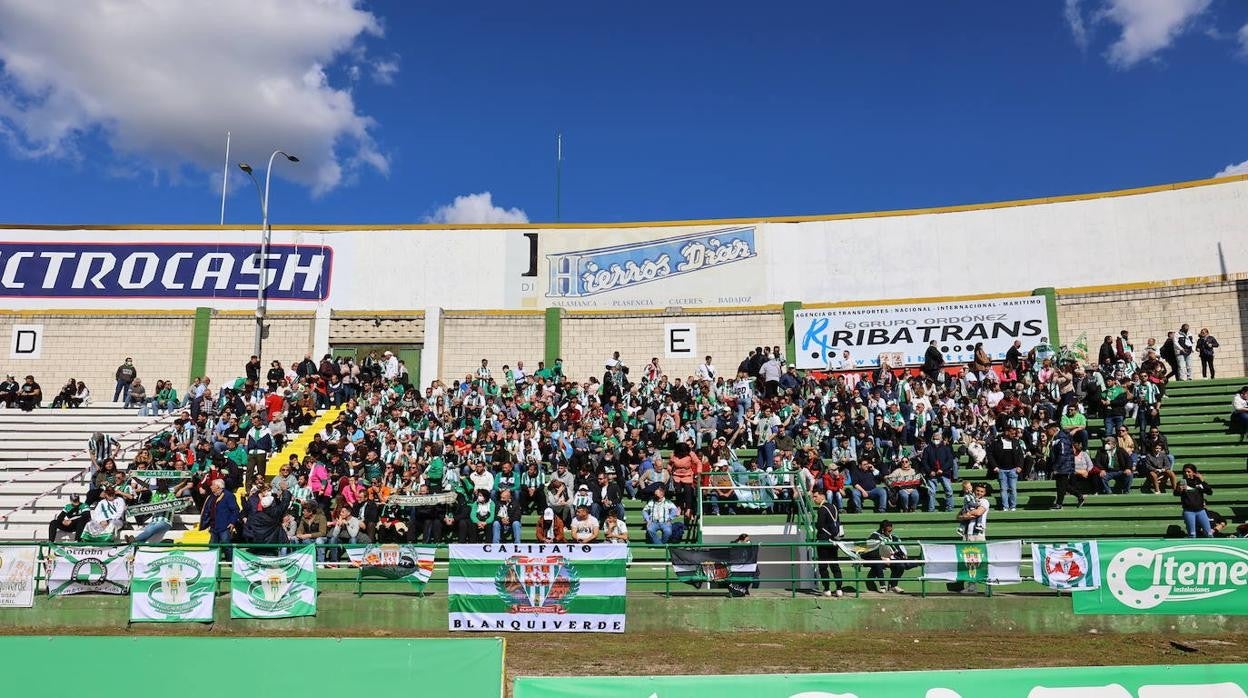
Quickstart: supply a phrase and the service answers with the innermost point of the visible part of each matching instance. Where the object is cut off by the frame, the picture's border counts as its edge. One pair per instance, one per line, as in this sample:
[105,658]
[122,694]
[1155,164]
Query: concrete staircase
[43,459]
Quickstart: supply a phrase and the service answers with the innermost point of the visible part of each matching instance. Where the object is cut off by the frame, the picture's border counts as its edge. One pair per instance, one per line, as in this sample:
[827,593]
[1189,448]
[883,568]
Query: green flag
[273,587]
[173,585]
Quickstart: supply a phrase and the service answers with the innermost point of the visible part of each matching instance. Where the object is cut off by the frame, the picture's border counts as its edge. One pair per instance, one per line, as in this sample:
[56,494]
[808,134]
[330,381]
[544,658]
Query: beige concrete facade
[1220,306]
[90,347]
[503,338]
[590,338]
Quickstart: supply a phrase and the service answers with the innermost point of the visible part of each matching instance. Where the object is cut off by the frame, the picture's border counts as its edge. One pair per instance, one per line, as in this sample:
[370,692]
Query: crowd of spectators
[470,458]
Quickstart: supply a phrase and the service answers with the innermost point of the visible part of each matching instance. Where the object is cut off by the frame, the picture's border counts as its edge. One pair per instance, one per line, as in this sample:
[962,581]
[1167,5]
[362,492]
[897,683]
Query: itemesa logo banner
[1170,577]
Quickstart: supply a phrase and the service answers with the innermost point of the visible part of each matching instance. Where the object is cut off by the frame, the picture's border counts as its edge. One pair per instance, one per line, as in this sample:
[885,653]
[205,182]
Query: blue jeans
[122,392]
[222,538]
[1198,524]
[155,529]
[1008,478]
[659,532]
[1112,424]
[947,484]
[879,495]
[1124,480]
[498,531]
[908,499]
[599,512]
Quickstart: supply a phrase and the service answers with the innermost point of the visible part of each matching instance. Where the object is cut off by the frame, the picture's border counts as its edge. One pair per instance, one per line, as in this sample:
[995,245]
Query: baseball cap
[548,515]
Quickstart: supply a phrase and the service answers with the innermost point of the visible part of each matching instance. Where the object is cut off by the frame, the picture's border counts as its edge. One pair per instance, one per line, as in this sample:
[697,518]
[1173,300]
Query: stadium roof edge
[693,222]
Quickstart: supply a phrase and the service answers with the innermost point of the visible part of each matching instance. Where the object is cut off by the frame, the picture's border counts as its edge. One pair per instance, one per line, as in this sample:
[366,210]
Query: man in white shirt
[107,517]
[1239,413]
[659,513]
[390,367]
[706,372]
[519,376]
[584,526]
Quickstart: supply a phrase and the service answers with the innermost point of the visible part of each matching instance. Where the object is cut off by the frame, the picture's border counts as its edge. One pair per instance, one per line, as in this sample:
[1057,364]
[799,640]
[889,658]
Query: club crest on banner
[1066,566]
[537,583]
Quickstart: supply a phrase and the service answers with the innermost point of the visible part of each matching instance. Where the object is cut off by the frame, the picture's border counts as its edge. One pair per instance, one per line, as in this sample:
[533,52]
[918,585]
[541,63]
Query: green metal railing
[644,567]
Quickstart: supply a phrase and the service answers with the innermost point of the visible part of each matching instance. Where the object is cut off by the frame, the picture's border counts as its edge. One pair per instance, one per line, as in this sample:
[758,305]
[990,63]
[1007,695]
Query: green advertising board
[262,666]
[1191,681]
[1178,576]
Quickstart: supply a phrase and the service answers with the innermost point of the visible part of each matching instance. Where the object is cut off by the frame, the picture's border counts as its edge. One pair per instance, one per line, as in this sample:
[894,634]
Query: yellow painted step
[299,445]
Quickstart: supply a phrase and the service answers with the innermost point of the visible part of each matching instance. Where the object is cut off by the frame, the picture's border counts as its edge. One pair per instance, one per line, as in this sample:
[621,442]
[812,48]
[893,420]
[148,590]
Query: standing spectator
[275,375]
[1191,492]
[125,374]
[770,374]
[973,525]
[1205,344]
[259,448]
[1185,344]
[220,517]
[1062,463]
[101,447]
[1170,354]
[940,468]
[1006,457]
[252,369]
[706,371]
[827,532]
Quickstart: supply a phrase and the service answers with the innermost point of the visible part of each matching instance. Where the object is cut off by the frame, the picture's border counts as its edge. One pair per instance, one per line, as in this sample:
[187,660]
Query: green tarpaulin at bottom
[1190,681]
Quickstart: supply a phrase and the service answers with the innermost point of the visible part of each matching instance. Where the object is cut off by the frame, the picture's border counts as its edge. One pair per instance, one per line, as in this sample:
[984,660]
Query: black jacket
[1007,458]
[1121,461]
[827,522]
[613,493]
[265,525]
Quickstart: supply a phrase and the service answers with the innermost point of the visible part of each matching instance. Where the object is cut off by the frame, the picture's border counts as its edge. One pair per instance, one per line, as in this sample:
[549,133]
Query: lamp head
[244,167]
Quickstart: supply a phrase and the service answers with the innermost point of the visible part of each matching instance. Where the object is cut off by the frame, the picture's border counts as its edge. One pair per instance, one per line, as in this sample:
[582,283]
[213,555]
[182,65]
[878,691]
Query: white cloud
[162,82]
[1148,26]
[1078,29]
[385,70]
[476,209]
[1241,168]
[1243,40]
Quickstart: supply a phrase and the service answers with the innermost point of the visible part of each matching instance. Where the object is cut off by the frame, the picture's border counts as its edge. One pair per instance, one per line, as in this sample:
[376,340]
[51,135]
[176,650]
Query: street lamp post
[266,234]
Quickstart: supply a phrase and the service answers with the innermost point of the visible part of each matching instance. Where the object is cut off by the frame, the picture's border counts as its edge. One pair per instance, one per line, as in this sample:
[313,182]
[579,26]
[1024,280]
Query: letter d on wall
[680,340]
[27,342]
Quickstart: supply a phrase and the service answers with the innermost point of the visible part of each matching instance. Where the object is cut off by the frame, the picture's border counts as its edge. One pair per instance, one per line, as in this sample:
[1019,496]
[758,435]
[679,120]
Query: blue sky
[668,110]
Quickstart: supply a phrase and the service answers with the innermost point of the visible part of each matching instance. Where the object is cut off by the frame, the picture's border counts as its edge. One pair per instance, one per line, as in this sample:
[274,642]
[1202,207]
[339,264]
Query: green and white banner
[1067,566]
[537,587]
[990,563]
[17,575]
[173,586]
[88,569]
[273,587]
[400,562]
[1190,681]
[1192,576]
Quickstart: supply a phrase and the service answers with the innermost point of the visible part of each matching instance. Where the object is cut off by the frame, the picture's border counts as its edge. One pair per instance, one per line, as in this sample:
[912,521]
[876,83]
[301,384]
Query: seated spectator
[584,526]
[507,518]
[29,395]
[1157,466]
[659,515]
[866,484]
[313,529]
[905,482]
[71,519]
[8,391]
[1239,413]
[614,530]
[1113,465]
[550,528]
[346,529]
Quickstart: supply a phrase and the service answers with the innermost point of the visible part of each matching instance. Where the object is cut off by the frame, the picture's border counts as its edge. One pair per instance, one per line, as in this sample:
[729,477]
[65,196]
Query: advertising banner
[166,270]
[400,562]
[173,586]
[1170,576]
[537,587]
[1190,681]
[89,569]
[17,575]
[866,332]
[1067,566]
[273,587]
[990,563]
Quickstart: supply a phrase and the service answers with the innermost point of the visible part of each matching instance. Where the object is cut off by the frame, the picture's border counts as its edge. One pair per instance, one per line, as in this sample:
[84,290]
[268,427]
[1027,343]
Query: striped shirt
[660,512]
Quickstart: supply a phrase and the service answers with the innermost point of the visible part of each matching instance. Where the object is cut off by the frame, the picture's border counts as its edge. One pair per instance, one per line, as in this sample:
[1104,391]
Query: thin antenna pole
[225,176]
[558,177]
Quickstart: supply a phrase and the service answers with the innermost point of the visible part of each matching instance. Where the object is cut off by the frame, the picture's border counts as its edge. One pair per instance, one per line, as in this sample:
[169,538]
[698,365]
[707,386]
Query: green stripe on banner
[494,604]
[489,568]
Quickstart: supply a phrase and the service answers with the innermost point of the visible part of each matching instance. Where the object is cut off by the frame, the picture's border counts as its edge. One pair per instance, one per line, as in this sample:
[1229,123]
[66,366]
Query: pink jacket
[318,481]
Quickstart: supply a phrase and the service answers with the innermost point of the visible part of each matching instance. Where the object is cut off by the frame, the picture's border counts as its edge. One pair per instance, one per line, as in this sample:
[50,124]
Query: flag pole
[558,177]
[225,176]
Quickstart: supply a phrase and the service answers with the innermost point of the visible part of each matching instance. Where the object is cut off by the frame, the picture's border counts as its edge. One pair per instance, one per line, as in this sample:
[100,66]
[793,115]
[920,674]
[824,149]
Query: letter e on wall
[680,340]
